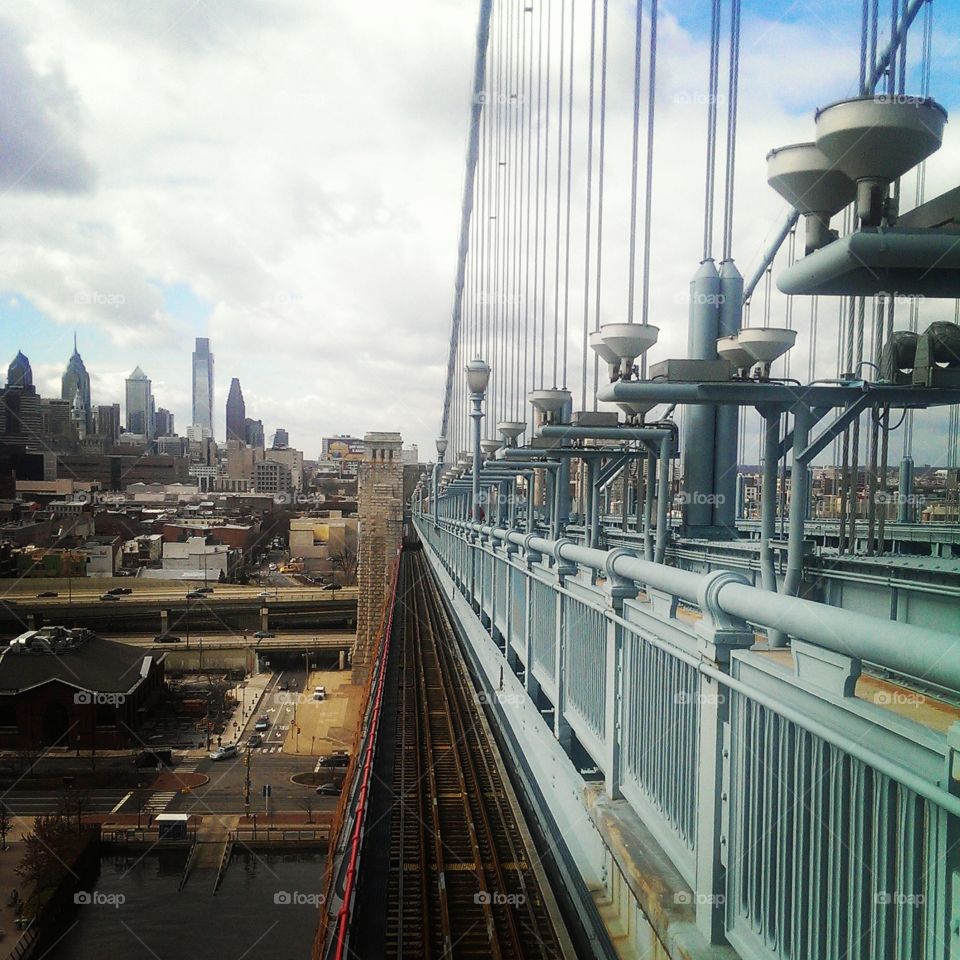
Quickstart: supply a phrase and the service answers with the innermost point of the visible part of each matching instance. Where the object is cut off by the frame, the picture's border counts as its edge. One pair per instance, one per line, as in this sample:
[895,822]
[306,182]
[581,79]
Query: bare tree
[346,561]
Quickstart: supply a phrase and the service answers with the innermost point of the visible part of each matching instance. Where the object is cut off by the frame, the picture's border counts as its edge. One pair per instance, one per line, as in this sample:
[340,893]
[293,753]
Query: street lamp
[478,375]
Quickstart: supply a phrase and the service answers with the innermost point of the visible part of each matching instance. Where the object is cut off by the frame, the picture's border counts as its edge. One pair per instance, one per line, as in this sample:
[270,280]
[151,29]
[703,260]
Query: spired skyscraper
[236,413]
[203,385]
[75,387]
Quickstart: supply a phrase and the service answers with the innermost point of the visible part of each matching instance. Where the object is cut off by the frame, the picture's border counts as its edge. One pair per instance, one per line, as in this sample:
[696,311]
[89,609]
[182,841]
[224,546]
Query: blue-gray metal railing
[808,822]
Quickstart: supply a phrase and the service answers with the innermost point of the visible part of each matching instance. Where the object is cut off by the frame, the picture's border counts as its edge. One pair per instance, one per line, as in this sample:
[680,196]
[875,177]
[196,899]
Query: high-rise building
[20,415]
[236,413]
[20,373]
[76,381]
[254,433]
[203,384]
[139,404]
[281,439]
[163,423]
[107,421]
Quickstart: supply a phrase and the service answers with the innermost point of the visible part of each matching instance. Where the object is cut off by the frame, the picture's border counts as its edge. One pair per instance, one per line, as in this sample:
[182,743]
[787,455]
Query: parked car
[225,752]
[338,759]
[329,789]
[195,595]
[262,724]
[109,596]
[166,638]
[124,591]
[265,635]
[204,590]
[47,593]
[255,740]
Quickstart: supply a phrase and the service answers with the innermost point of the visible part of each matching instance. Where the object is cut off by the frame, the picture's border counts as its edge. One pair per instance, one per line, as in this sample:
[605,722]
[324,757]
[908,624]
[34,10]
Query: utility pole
[246,786]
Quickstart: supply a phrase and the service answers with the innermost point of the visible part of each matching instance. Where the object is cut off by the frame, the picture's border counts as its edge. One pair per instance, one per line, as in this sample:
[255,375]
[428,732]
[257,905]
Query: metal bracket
[530,555]
[620,588]
[564,568]
[719,632]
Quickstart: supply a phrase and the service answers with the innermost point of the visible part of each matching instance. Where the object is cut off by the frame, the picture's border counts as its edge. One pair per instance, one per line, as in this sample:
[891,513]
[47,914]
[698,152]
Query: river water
[267,906]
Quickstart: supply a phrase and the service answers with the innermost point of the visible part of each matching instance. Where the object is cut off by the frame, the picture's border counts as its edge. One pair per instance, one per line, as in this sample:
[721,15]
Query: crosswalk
[159,802]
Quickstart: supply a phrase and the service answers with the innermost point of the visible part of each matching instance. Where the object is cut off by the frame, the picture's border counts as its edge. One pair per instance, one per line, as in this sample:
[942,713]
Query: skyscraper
[139,404]
[236,413]
[281,439]
[76,380]
[163,423]
[203,384]
[20,373]
[254,432]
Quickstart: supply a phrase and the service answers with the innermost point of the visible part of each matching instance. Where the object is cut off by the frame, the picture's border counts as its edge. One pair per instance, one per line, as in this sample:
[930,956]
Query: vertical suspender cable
[589,203]
[600,173]
[648,186]
[546,206]
[634,158]
[566,266]
[560,119]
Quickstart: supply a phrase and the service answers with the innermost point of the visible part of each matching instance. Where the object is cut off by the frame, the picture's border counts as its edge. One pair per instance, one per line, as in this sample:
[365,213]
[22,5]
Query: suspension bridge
[677,545]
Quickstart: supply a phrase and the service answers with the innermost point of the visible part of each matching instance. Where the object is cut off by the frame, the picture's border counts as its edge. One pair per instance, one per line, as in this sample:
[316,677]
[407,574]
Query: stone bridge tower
[380,510]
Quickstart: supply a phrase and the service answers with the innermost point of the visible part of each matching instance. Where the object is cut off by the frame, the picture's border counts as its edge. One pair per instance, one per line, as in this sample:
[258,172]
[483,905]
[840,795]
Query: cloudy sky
[285,178]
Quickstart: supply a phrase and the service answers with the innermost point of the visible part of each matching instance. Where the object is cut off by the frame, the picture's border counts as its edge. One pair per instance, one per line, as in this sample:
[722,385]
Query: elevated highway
[161,608]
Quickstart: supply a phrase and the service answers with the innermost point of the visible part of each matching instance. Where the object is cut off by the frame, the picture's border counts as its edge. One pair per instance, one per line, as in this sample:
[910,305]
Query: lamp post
[441,450]
[478,375]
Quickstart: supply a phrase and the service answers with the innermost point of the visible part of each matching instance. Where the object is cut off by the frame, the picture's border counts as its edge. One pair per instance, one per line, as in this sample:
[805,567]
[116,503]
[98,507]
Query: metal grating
[661,717]
[829,858]
[585,663]
[543,620]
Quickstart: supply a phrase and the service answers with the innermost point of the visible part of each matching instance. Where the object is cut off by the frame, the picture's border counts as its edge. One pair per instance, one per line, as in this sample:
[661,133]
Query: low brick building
[68,688]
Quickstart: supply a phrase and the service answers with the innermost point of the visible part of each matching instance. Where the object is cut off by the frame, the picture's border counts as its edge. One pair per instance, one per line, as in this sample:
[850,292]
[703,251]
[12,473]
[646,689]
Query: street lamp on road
[478,376]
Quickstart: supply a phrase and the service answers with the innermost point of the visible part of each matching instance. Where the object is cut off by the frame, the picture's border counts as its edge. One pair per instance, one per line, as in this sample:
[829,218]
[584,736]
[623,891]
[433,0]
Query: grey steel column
[728,416]
[663,498]
[700,421]
[904,491]
[768,497]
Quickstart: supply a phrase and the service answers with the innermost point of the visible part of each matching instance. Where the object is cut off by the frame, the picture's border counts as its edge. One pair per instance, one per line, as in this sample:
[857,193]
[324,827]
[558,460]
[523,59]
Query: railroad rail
[461,882]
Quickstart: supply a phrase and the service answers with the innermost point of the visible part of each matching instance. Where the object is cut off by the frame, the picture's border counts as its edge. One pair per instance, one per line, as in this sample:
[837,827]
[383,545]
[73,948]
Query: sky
[286,179]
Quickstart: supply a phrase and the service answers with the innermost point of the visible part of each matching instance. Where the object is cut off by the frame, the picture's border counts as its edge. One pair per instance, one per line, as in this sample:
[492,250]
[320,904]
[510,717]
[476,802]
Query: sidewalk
[249,693]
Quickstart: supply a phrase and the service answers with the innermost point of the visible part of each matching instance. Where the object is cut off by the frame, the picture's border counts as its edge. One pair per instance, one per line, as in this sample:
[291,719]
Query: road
[22,595]
[32,802]
[231,638]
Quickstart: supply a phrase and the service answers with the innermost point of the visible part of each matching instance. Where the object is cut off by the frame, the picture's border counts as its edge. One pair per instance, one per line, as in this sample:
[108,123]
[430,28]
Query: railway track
[460,883]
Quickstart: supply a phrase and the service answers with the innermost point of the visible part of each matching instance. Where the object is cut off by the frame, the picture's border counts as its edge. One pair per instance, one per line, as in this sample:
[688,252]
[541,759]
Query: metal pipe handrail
[903,648]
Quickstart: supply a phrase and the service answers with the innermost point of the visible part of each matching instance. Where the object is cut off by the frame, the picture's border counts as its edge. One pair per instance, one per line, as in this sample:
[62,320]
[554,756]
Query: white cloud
[299,167]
